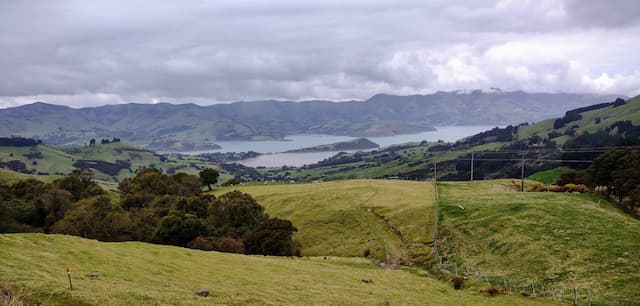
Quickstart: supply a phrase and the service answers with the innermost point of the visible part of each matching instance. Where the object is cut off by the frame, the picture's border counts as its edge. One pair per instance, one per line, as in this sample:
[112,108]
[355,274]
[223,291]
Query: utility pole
[522,175]
[471,165]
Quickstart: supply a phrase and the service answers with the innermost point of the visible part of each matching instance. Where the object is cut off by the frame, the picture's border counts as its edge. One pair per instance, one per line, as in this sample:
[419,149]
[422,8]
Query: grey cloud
[117,51]
[603,13]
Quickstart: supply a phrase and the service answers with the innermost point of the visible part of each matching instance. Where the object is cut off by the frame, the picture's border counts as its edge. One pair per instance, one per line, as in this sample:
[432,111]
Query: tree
[96,218]
[273,237]
[80,184]
[53,205]
[178,228]
[209,176]
[234,214]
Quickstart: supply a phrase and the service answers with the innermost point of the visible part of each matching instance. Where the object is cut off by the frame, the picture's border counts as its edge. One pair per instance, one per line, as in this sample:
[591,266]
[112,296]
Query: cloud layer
[83,53]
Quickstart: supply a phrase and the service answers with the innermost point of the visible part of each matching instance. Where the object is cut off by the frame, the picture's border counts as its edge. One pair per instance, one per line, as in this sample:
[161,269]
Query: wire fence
[575,295]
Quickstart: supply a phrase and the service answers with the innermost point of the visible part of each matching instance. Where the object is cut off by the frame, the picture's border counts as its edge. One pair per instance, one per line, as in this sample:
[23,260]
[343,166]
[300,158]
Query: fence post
[533,290]
[543,293]
[575,296]
[604,300]
[589,297]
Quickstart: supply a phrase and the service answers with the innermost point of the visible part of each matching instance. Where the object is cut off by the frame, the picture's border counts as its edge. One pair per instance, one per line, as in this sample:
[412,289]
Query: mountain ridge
[380,115]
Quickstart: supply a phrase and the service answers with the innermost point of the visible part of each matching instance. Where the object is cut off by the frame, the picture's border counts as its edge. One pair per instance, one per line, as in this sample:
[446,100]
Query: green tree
[96,218]
[178,228]
[209,176]
[272,237]
[234,214]
[53,205]
[80,184]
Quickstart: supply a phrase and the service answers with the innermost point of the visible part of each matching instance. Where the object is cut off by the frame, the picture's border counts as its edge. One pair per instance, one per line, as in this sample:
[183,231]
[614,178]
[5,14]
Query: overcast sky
[84,53]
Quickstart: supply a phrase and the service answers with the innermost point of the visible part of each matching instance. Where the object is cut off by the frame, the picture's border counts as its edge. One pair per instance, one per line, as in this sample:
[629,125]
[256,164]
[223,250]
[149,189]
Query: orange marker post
[69,276]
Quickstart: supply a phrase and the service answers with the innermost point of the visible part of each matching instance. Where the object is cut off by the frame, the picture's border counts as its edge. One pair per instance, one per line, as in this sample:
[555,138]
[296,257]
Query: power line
[527,159]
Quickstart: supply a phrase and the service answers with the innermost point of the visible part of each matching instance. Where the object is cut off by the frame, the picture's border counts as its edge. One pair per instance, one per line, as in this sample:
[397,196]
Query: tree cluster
[616,173]
[153,207]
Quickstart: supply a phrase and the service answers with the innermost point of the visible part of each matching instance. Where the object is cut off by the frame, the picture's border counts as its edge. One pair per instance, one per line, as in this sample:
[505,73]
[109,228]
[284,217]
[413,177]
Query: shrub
[577,188]
[458,282]
[366,253]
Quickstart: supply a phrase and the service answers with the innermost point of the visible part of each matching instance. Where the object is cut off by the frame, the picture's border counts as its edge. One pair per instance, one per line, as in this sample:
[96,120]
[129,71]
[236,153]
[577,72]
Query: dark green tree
[178,228]
[209,176]
[234,214]
[96,218]
[272,237]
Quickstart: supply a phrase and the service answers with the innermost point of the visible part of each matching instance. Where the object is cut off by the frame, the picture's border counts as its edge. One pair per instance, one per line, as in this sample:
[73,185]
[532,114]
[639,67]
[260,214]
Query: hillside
[552,239]
[167,126]
[599,127]
[145,274]
[392,219]
[350,145]
[110,162]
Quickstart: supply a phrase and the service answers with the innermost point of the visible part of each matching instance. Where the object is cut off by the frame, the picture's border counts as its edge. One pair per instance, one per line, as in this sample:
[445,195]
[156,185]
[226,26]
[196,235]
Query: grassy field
[608,116]
[345,218]
[60,160]
[548,176]
[560,239]
[134,273]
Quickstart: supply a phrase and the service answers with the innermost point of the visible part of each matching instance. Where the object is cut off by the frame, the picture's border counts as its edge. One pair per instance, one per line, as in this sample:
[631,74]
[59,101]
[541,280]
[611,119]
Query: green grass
[135,273]
[561,239]
[548,176]
[61,159]
[608,116]
[344,218]
[9,177]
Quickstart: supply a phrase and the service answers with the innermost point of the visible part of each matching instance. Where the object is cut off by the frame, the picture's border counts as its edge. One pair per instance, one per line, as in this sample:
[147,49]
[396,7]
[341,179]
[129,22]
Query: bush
[273,237]
[220,244]
[366,253]
[581,188]
[458,282]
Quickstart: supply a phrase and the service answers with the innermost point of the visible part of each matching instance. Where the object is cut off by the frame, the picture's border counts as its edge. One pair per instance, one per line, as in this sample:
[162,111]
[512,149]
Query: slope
[556,239]
[392,219]
[135,273]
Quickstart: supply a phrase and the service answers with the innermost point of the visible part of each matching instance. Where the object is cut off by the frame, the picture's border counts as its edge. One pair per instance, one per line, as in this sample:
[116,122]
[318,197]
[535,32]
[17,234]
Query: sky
[89,53]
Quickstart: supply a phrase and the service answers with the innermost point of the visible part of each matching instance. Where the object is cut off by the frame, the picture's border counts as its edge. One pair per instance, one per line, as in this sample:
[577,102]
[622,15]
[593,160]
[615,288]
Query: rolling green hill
[556,239]
[110,162]
[134,273]
[591,121]
[390,218]
[410,161]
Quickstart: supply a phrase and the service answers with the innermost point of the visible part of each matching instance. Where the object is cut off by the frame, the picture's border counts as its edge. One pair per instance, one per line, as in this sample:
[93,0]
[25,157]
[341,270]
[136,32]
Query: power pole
[471,165]
[522,175]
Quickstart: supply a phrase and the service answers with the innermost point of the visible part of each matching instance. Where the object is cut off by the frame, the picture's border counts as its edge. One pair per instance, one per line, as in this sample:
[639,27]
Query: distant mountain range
[189,125]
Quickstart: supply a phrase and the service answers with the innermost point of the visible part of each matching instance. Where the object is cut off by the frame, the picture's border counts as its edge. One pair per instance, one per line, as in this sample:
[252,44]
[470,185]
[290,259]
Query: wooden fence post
[575,296]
